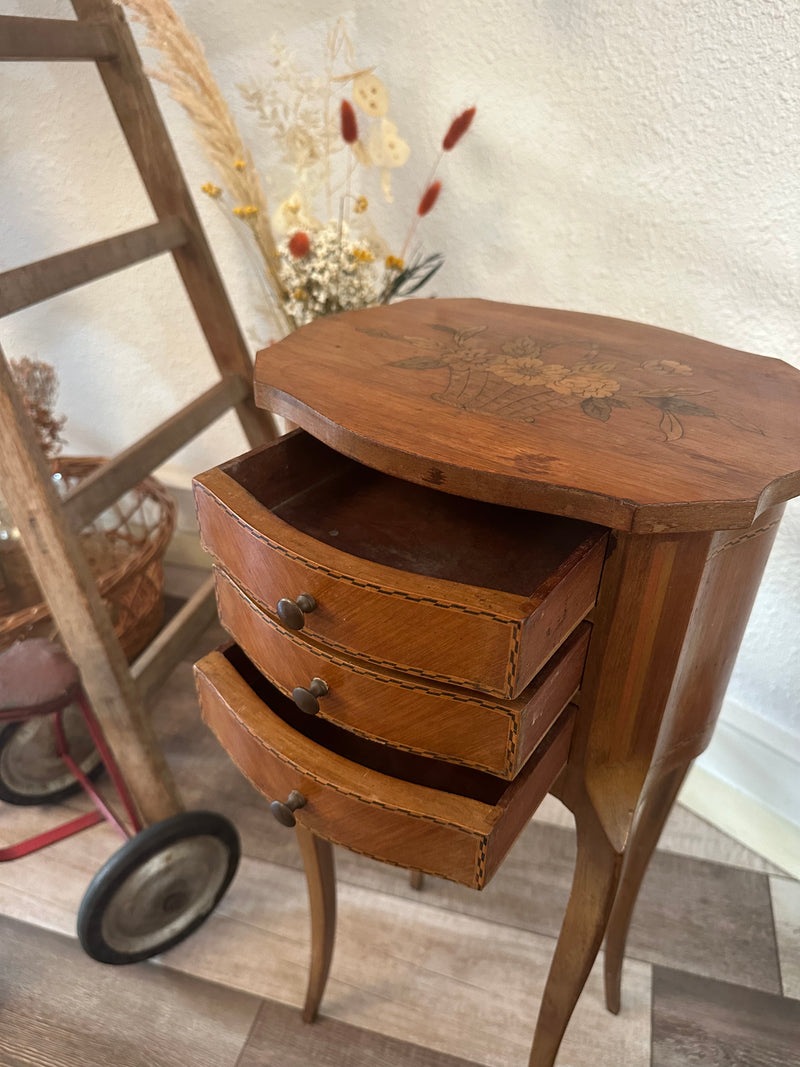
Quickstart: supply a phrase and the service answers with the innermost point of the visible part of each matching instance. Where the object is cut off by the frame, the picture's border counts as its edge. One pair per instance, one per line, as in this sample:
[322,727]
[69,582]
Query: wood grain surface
[697,1022]
[734,565]
[418,813]
[58,1008]
[425,612]
[279,1039]
[445,969]
[453,724]
[615,422]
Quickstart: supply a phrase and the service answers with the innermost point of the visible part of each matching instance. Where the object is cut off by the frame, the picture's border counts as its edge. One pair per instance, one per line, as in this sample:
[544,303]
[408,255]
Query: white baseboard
[748,784]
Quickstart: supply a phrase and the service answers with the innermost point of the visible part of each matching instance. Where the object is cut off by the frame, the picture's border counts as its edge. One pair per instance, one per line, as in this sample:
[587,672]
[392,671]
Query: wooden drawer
[395,806]
[457,725]
[406,577]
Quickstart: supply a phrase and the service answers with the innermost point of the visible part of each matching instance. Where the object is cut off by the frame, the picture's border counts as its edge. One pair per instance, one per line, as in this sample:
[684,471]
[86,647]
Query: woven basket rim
[154,547]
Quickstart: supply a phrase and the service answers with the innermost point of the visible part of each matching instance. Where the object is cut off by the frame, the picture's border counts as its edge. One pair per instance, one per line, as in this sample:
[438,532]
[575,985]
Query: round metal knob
[292,612]
[284,813]
[306,699]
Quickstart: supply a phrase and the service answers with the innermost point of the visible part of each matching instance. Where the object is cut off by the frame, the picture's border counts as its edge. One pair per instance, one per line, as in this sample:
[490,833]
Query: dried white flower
[292,215]
[337,274]
[291,106]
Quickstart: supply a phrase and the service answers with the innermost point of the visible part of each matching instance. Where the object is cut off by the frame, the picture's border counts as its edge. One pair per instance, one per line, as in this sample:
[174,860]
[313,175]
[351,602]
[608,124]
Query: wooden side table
[493,507]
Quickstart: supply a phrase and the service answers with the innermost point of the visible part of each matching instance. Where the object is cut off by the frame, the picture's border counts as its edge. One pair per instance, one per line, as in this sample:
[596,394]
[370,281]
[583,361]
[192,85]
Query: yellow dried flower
[394,263]
[299,294]
[211,190]
[363,255]
[360,205]
[246,212]
[239,164]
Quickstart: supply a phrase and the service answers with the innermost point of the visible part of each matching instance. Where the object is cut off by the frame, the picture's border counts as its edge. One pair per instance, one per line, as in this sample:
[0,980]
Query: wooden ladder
[48,527]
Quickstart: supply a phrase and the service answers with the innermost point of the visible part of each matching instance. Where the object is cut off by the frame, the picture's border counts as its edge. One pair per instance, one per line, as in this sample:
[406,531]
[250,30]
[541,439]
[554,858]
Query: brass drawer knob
[307,699]
[284,813]
[292,612]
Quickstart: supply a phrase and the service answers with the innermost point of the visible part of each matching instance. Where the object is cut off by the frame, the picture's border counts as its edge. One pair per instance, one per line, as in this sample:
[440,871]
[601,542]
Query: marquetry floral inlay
[523,378]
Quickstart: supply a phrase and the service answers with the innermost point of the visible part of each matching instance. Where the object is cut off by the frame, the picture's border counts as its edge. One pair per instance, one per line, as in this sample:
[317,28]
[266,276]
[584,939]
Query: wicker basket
[125,548]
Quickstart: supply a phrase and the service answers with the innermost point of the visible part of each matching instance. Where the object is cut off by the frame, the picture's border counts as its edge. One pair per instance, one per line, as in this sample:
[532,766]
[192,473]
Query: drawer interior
[398,524]
[395,763]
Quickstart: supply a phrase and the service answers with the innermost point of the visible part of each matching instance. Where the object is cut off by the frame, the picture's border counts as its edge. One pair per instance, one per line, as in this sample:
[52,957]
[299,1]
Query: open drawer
[442,721]
[395,806]
[404,576]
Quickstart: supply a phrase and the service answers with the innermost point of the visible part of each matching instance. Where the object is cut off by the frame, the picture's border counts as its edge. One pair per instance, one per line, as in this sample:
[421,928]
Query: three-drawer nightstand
[510,552]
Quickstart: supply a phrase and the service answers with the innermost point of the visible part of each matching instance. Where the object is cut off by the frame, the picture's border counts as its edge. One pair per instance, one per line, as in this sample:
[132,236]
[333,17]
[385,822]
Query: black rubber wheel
[31,771]
[158,887]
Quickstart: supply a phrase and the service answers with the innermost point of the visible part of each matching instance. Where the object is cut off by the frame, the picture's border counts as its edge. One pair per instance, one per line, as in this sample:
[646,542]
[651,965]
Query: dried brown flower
[299,244]
[429,198]
[458,127]
[349,123]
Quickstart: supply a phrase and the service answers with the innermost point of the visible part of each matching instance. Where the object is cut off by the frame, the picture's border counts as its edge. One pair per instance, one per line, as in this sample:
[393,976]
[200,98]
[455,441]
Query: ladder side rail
[83,622]
[135,105]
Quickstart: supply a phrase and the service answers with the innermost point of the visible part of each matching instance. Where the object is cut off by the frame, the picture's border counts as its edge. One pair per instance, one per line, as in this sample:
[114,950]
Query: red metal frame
[102,810]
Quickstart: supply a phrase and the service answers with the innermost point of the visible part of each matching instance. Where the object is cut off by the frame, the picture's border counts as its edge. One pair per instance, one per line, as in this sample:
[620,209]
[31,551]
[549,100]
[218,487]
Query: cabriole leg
[321,880]
[597,870]
[652,815]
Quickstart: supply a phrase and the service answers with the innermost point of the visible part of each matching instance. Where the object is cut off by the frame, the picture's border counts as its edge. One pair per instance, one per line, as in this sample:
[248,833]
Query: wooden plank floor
[445,977]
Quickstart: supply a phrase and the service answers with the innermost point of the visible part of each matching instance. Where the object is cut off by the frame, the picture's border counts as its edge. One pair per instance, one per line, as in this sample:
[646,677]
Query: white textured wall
[637,159]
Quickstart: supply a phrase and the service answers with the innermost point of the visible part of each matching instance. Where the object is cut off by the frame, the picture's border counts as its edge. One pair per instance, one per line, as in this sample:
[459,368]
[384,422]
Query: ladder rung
[109,482]
[171,645]
[22,37]
[27,285]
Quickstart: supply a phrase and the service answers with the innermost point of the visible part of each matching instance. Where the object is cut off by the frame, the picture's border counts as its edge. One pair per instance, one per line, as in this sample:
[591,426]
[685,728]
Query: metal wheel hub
[30,764]
[165,894]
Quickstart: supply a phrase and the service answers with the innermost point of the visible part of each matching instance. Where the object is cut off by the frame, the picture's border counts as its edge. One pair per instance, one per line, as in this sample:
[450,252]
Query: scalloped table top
[613,422]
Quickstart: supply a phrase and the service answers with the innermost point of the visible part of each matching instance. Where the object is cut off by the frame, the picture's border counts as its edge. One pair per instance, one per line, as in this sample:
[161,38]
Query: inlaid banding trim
[339,576]
[513,744]
[480,870]
[392,665]
[513,658]
[326,784]
[748,536]
[250,601]
[476,881]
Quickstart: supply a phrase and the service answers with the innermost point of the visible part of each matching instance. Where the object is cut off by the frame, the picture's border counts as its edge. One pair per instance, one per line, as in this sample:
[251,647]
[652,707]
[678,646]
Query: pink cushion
[35,674]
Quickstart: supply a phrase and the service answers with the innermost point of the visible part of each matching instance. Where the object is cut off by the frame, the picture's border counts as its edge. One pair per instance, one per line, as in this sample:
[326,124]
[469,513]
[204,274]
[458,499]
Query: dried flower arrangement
[38,386]
[332,131]
[37,383]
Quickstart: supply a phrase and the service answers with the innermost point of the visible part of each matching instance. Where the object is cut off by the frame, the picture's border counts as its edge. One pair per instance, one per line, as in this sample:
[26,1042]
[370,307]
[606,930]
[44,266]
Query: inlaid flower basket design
[526,377]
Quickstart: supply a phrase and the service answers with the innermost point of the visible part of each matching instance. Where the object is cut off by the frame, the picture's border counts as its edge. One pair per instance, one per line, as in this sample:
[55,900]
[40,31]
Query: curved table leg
[321,879]
[597,871]
[654,808]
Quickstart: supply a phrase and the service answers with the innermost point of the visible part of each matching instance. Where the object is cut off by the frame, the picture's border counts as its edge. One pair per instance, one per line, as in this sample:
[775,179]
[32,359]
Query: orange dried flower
[349,123]
[299,244]
[458,127]
[429,198]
